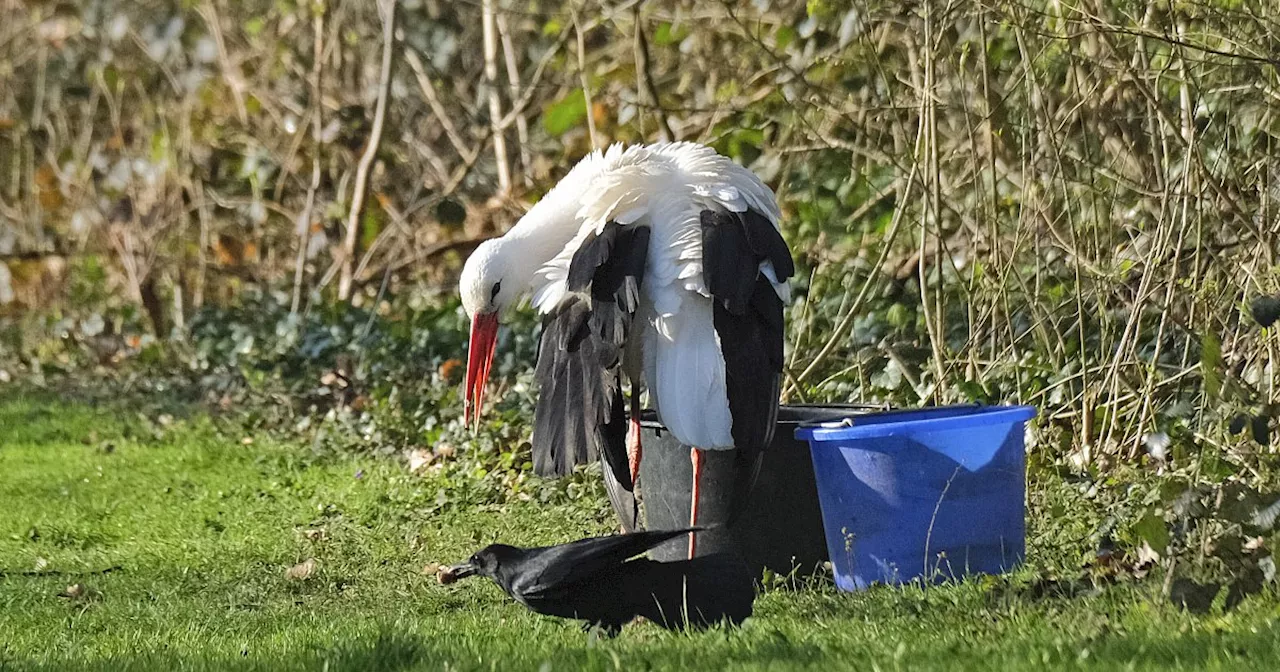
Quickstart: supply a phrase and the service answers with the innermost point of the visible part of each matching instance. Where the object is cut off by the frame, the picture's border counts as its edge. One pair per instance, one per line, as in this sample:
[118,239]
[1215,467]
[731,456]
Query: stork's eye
[493,293]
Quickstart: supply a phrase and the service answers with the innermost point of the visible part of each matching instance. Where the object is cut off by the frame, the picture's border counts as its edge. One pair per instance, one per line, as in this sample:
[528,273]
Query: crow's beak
[484,339]
[463,571]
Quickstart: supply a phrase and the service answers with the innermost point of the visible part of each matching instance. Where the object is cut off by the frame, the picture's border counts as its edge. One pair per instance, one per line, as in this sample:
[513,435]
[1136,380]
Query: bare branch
[209,12]
[388,10]
[317,138]
[513,78]
[433,100]
[495,105]
[586,82]
[644,80]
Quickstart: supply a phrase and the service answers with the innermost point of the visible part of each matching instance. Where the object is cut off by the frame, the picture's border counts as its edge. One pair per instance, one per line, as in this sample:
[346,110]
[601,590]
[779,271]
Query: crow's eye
[493,293]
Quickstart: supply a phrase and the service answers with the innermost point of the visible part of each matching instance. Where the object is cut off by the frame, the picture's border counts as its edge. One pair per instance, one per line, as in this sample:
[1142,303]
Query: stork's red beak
[484,338]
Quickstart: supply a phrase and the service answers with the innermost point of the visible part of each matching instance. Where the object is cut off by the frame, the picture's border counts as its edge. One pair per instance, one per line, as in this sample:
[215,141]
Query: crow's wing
[689,593]
[548,571]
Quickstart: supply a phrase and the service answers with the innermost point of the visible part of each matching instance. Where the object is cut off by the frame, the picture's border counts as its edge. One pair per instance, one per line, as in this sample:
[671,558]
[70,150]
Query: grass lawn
[184,536]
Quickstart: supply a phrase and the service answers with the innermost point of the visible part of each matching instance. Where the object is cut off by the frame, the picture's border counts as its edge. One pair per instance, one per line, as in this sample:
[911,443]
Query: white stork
[661,264]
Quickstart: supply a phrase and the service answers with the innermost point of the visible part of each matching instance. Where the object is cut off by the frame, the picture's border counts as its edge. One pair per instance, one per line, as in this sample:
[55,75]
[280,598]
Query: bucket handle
[846,421]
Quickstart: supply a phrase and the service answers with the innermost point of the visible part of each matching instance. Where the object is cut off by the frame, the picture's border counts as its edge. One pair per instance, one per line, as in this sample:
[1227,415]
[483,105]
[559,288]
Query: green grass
[198,530]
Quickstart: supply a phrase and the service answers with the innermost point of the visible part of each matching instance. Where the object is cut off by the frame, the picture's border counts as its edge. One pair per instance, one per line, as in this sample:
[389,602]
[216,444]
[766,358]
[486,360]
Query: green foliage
[1062,235]
[667,34]
[565,114]
[1211,365]
[381,384]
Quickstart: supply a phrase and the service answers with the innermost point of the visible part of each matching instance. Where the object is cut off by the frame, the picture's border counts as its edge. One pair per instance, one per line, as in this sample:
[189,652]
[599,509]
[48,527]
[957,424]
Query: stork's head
[489,281]
[488,286]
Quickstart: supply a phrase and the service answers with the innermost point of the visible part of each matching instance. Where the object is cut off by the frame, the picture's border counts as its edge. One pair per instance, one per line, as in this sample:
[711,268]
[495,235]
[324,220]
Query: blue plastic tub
[935,493]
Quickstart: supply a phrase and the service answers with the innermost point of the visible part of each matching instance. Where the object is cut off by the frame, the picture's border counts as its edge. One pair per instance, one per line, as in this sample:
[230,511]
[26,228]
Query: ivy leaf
[668,34]
[563,115]
[1152,529]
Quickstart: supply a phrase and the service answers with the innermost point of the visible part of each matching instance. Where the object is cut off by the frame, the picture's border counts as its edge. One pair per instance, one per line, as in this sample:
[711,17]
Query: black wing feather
[748,319]
[579,413]
[617,470]
[600,580]
[728,264]
[546,571]
[765,241]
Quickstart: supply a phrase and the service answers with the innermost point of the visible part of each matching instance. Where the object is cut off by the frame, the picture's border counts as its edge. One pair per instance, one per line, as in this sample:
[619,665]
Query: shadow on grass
[397,651]
[390,652]
[393,651]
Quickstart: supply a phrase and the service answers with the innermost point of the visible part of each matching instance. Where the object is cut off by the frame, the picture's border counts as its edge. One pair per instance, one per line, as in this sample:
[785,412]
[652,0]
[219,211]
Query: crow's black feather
[596,580]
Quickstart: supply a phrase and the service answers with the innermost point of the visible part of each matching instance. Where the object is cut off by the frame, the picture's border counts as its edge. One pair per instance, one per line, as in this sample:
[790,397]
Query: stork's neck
[540,235]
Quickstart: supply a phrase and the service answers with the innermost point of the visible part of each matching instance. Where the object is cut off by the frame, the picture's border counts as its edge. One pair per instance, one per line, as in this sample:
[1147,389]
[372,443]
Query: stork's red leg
[696,457]
[633,439]
[634,450]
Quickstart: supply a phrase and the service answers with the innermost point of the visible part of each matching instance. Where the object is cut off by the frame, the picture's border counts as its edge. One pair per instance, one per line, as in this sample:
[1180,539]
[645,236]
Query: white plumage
[664,187]
[700,236]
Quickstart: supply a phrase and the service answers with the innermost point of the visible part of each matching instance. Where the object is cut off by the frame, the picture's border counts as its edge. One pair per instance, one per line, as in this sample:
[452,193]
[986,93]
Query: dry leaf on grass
[419,458]
[79,592]
[301,571]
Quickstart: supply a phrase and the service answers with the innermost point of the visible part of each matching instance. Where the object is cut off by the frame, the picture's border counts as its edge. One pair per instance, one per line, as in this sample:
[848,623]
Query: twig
[513,78]
[209,12]
[495,105]
[397,219]
[317,137]
[463,246]
[388,11]
[586,83]
[460,173]
[1096,25]
[37,106]
[526,99]
[433,101]
[644,79]
[202,263]
[933,315]
[933,519]
[59,572]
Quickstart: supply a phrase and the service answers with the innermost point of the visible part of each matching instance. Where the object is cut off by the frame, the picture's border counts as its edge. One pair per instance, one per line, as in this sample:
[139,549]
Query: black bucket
[781,528]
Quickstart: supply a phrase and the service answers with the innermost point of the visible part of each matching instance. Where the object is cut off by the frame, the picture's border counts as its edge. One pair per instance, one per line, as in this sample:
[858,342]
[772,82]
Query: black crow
[598,581]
